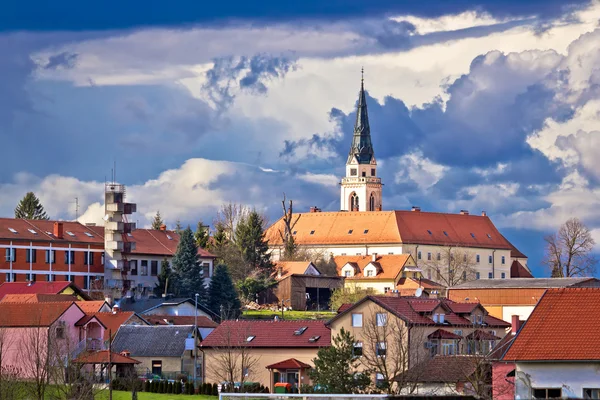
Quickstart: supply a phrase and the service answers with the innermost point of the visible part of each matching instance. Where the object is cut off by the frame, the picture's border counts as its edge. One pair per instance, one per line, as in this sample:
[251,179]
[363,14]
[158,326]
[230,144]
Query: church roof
[362,148]
[392,227]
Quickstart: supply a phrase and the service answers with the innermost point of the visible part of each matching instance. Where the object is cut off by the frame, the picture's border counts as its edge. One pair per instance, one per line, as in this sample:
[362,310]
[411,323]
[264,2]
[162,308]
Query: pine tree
[163,277]
[30,208]
[222,297]
[157,222]
[250,239]
[187,271]
[178,228]
[201,235]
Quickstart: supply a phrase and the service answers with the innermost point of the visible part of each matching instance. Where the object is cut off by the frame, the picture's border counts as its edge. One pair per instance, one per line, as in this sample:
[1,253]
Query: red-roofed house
[280,351]
[49,288]
[557,351]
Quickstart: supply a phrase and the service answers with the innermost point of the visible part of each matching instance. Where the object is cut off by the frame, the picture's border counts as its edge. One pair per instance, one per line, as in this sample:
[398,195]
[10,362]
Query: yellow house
[394,333]
[385,273]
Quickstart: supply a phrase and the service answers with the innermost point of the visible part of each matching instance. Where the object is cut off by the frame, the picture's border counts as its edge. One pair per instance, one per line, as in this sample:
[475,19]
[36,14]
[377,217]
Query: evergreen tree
[250,239]
[163,277]
[201,235]
[187,271]
[219,238]
[336,367]
[222,298]
[157,222]
[30,208]
[178,228]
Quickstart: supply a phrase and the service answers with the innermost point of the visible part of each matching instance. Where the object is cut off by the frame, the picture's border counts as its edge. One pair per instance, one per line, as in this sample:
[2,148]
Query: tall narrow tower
[361,188]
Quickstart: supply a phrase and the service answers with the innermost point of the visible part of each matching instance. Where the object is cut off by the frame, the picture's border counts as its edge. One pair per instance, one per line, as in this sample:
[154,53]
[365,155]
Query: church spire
[361,147]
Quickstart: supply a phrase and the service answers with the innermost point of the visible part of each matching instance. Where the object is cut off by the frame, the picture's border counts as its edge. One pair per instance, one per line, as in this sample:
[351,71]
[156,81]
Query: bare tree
[35,360]
[229,216]
[451,266]
[287,237]
[568,252]
[8,373]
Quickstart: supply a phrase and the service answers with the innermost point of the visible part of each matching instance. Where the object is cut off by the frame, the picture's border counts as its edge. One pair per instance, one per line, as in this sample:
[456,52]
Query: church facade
[363,228]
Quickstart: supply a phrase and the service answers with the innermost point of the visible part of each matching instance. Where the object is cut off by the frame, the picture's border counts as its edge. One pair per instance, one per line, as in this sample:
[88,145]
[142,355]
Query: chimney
[416,209]
[58,230]
[315,209]
[163,227]
[378,208]
[374,257]
[516,324]
[115,309]
[483,214]
[464,212]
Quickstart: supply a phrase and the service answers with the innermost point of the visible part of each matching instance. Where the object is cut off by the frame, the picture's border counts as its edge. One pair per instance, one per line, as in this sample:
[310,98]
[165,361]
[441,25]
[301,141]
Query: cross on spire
[361,147]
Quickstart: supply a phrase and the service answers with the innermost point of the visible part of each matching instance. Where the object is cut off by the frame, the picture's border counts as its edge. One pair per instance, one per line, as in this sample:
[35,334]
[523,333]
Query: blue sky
[478,105]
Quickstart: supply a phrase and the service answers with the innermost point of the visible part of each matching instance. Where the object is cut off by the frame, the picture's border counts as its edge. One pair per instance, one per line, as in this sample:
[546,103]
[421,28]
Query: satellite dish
[106,217]
[419,292]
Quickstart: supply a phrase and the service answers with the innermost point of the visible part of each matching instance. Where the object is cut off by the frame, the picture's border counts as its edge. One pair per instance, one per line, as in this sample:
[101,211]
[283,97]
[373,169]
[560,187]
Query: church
[447,247]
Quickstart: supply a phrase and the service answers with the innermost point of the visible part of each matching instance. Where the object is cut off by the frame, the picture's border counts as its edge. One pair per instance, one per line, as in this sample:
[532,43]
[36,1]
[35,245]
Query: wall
[377,285]
[572,377]
[503,388]
[522,311]
[263,357]
[169,364]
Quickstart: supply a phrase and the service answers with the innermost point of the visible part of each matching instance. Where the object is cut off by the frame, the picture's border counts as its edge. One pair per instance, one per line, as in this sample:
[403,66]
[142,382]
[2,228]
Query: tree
[30,207]
[348,295]
[229,216]
[254,284]
[187,271]
[451,266]
[178,228]
[201,235]
[222,297]
[8,374]
[250,239]
[336,367]
[34,355]
[157,222]
[162,286]
[568,252]
[287,237]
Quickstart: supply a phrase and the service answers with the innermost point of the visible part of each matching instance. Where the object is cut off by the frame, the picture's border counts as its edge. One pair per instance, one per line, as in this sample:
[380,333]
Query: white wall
[522,311]
[182,310]
[571,377]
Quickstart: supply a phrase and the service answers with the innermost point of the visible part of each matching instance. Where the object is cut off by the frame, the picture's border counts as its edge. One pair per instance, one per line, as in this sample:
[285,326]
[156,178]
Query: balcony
[129,227]
[115,245]
[114,283]
[116,226]
[362,179]
[128,247]
[125,208]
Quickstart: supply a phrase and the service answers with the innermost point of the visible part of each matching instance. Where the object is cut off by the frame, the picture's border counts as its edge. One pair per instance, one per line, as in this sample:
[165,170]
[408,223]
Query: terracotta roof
[290,363]
[562,327]
[203,322]
[289,268]
[273,334]
[37,298]
[478,334]
[90,307]
[442,334]
[44,231]
[344,307]
[56,287]
[110,321]
[517,270]
[393,227]
[32,314]
[462,308]
[161,243]
[442,369]
[389,266]
[528,283]
[101,357]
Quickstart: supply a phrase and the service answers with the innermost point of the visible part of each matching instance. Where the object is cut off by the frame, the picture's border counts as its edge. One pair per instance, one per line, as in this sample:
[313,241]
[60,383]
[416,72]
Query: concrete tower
[361,188]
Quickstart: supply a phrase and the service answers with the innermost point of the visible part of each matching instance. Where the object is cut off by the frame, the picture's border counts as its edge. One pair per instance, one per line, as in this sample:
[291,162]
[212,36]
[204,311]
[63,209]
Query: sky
[476,105]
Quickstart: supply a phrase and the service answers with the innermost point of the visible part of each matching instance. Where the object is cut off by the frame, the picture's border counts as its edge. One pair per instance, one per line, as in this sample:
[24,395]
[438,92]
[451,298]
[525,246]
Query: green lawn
[152,396]
[291,315]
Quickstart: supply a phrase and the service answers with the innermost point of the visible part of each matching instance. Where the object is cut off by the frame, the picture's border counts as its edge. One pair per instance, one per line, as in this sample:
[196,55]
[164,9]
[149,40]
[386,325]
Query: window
[313,339]
[591,393]
[472,235]
[381,319]
[206,270]
[428,231]
[552,393]
[433,347]
[154,268]
[439,256]
[490,259]
[102,258]
[429,274]
[144,268]
[489,236]
[70,233]
[88,258]
[369,272]
[246,371]
[477,258]
[418,255]
[490,275]
[350,232]
[7,279]
[477,275]
[503,260]
[293,233]
[366,231]
[464,258]
[10,255]
[503,275]
[312,232]
[86,282]
[347,273]
[13,230]
[464,276]
[30,256]
[300,330]
[133,269]
[372,171]
[50,278]
[69,256]
[157,367]
[88,234]
[458,332]
[357,320]
[250,338]
[354,203]
[428,256]
[30,277]
[445,233]
[438,318]
[357,350]
[381,349]
[386,289]
[353,171]
[448,347]
[60,330]
[379,380]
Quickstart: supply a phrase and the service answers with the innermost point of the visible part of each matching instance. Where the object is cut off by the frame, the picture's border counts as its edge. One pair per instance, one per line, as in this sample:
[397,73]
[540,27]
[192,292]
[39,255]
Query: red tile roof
[90,307]
[562,327]
[157,242]
[87,307]
[32,314]
[442,334]
[43,231]
[478,334]
[289,268]
[33,287]
[101,357]
[388,266]
[203,322]
[517,270]
[290,363]
[344,307]
[272,334]
[110,321]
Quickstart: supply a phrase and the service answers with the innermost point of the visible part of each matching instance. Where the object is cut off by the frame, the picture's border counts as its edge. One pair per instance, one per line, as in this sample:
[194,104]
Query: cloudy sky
[479,105]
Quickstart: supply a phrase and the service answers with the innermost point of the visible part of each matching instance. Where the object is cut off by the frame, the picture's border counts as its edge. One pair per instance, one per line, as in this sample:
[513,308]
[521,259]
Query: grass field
[152,396]
[291,315]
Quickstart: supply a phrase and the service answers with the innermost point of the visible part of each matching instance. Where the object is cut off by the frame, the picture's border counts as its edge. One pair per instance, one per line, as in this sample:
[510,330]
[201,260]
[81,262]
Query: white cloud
[467,19]
[330,181]
[424,172]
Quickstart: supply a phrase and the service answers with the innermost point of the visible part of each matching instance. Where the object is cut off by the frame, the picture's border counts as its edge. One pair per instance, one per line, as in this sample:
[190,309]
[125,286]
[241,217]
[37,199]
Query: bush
[215,389]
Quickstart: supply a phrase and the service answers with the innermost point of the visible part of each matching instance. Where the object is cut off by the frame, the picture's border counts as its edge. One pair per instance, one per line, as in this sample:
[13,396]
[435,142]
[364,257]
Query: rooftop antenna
[76,208]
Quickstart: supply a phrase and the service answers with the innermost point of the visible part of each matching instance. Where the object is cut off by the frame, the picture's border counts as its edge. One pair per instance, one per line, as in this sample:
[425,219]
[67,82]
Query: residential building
[504,298]
[166,351]
[392,331]
[557,351]
[386,274]
[266,352]
[167,306]
[91,306]
[301,286]
[205,325]
[62,288]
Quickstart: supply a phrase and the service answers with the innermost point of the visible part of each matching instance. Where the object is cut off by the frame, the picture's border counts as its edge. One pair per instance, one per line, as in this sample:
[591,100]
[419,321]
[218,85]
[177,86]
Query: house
[205,325]
[266,352]
[385,273]
[163,350]
[64,288]
[503,372]
[90,306]
[557,351]
[97,328]
[181,306]
[395,331]
[504,298]
[301,286]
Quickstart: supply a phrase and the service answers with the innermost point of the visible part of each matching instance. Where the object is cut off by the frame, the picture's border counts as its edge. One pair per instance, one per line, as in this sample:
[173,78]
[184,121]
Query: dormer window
[347,273]
[314,338]
[312,232]
[369,272]
[300,331]
[366,231]
[350,232]
[250,338]
[445,233]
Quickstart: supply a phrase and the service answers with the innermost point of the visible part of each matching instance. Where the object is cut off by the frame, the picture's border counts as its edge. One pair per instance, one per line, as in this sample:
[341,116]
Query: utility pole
[110,389]
[195,342]
[76,202]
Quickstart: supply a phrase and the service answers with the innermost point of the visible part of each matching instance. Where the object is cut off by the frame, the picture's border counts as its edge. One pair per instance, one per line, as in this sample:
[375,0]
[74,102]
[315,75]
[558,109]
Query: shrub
[215,389]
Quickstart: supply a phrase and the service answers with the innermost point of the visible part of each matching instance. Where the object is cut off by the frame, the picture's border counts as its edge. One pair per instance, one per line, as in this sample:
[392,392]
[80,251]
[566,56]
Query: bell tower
[361,188]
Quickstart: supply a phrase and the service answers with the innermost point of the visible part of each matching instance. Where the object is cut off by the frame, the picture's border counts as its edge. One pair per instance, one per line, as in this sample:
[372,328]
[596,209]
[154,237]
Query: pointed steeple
[361,148]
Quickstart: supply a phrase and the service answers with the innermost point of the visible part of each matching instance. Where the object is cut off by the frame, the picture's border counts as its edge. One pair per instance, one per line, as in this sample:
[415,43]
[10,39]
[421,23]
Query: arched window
[372,202]
[354,202]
